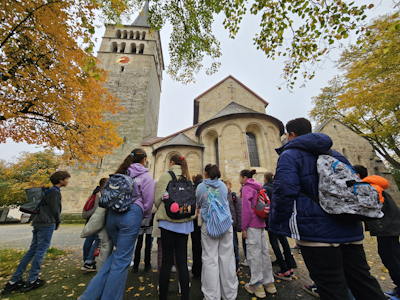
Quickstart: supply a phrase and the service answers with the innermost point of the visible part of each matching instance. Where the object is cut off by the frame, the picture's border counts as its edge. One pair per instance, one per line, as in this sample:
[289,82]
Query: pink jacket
[249,197]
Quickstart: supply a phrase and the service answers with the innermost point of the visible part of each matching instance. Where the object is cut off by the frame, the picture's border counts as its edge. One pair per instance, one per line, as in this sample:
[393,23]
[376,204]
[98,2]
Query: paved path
[19,236]
[67,237]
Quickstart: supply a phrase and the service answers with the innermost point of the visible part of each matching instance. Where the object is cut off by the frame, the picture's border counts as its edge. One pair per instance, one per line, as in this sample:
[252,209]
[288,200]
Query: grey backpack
[342,193]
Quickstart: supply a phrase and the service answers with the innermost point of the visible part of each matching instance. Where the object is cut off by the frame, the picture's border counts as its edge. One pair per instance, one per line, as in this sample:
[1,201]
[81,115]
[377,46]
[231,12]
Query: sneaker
[393,295]
[179,287]
[311,289]
[283,275]
[256,289]
[275,263]
[189,268]
[89,267]
[146,268]
[8,288]
[173,269]
[33,285]
[270,288]
[245,263]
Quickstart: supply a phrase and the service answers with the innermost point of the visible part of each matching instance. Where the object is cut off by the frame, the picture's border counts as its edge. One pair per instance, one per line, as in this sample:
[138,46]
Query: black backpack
[181,192]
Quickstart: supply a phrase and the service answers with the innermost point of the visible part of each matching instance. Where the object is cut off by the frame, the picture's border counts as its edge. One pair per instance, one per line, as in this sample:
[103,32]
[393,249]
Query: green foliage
[302,31]
[29,170]
[366,96]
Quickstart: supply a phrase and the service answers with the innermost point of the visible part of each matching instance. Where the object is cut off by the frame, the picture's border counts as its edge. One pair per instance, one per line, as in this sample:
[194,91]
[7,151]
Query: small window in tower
[122,48]
[114,47]
[101,162]
[133,48]
[118,33]
[131,34]
[143,35]
[141,49]
[125,34]
[137,35]
[122,69]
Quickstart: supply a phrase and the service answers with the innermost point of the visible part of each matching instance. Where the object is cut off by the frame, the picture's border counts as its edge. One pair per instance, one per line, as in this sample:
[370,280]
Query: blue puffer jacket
[295,215]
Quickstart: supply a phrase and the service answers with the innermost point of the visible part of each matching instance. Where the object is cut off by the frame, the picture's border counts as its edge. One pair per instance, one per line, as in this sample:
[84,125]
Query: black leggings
[173,243]
[147,251]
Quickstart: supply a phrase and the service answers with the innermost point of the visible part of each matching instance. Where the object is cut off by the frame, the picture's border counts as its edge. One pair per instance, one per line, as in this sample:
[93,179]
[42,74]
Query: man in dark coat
[332,249]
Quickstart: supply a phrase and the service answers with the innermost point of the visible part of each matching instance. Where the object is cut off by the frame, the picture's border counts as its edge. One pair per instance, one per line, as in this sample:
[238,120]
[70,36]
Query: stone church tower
[133,56]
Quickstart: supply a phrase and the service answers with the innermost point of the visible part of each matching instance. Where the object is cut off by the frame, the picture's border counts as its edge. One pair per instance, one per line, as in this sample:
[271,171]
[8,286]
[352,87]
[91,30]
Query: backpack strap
[172,175]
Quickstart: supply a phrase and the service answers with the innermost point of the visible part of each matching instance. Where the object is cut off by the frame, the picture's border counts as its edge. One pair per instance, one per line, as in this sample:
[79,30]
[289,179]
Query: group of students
[332,248]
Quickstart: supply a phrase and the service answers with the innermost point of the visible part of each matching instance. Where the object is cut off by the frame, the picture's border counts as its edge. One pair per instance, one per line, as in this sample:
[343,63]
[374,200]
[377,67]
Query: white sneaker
[245,263]
[270,288]
[173,269]
[189,268]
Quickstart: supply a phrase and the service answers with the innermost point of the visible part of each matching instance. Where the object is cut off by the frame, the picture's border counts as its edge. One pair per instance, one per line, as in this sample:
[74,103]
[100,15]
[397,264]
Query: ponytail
[181,161]
[248,173]
[136,156]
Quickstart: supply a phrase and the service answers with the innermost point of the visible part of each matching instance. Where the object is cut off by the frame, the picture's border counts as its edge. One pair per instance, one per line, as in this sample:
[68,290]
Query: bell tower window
[252,148]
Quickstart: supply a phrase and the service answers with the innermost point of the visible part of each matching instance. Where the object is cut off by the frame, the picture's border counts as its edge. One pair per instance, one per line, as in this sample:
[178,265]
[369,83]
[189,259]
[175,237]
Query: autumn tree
[366,96]
[51,89]
[29,170]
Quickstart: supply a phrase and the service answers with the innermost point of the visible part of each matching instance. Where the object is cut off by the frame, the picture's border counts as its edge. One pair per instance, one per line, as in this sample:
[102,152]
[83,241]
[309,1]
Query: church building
[230,124]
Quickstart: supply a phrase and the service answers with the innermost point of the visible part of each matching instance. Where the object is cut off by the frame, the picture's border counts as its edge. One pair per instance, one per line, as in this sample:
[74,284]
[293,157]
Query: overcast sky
[242,60]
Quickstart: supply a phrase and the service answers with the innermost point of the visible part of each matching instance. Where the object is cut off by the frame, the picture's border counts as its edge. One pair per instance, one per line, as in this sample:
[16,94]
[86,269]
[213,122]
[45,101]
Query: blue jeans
[236,248]
[89,246]
[40,243]
[123,228]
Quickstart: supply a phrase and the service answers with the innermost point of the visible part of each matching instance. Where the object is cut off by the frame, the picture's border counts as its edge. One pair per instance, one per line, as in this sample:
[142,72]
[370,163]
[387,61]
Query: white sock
[11,282]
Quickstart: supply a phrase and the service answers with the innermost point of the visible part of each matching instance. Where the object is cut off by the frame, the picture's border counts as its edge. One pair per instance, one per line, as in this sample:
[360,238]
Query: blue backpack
[218,218]
[119,193]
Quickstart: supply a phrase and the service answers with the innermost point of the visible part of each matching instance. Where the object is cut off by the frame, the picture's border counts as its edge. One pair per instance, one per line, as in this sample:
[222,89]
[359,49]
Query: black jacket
[50,212]
[389,225]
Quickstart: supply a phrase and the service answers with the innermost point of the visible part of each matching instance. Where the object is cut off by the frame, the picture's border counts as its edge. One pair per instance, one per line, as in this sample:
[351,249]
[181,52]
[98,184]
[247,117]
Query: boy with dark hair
[386,230]
[44,224]
[332,249]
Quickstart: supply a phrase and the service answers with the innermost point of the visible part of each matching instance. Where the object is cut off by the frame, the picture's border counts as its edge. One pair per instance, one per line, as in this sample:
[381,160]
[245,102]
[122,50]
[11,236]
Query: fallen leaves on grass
[81,284]
[141,289]
[64,287]
[129,289]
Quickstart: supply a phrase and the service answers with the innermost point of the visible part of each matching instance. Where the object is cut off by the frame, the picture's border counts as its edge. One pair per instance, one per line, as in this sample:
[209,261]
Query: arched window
[118,33]
[216,151]
[114,47]
[143,35]
[122,48]
[252,147]
[125,34]
[141,49]
[133,48]
[137,35]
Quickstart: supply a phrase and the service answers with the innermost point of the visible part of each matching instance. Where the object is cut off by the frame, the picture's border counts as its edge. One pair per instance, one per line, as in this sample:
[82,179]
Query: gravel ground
[67,238]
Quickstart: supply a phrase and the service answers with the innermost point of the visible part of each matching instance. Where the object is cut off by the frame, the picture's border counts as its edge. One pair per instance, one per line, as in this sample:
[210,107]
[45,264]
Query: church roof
[152,140]
[234,108]
[180,139]
[141,19]
[196,100]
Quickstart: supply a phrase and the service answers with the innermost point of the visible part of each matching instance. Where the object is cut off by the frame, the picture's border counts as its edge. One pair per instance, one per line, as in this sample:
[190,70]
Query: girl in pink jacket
[253,232]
